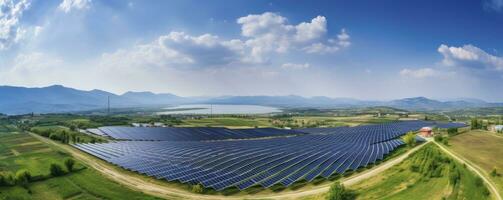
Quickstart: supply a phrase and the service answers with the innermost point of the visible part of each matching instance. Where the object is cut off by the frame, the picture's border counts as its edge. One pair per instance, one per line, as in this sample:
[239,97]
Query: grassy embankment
[427,174]
[21,151]
[483,148]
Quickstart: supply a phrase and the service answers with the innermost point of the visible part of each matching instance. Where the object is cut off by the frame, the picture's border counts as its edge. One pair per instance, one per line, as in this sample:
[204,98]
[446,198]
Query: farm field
[484,149]
[233,122]
[290,121]
[427,174]
[22,151]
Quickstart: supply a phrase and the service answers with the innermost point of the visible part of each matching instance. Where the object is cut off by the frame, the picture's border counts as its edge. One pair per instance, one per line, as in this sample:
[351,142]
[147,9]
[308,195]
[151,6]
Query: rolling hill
[57,98]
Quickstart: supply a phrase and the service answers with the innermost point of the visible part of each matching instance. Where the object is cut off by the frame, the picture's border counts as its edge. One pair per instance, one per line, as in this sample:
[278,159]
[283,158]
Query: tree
[438,138]
[56,169]
[410,139]
[72,127]
[23,177]
[197,189]
[494,172]
[337,192]
[479,182]
[6,179]
[54,136]
[69,163]
[445,141]
[452,131]
[474,124]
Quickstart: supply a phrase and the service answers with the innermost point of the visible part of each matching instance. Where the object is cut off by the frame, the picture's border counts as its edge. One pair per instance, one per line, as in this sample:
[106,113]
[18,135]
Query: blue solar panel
[188,134]
[207,157]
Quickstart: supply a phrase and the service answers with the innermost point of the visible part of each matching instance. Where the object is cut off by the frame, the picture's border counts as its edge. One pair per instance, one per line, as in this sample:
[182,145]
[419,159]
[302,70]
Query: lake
[219,109]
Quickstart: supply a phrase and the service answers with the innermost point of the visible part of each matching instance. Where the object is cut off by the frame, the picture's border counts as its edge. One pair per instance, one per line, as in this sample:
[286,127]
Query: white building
[498,128]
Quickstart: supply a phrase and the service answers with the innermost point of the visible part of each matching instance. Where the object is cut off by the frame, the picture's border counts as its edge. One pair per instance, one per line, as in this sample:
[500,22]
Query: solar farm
[221,158]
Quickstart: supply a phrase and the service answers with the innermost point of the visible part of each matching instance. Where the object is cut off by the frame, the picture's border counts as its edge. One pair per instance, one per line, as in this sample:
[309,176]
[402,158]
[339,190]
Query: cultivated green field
[427,174]
[483,148]
[22,151]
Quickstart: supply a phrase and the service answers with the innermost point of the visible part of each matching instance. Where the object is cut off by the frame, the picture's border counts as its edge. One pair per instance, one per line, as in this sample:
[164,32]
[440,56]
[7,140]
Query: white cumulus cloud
[271,32]
[10,13]
[265,36]
[333,45]
[69,5]
[178,49]
[310,31]
[471,57]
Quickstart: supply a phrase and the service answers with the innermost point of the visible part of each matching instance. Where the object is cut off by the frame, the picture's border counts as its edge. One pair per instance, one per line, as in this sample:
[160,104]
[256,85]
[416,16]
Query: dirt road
[163,191]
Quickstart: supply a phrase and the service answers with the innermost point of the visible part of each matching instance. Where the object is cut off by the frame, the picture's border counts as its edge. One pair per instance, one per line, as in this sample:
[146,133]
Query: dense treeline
[478,124]
[65,136]
[23,176]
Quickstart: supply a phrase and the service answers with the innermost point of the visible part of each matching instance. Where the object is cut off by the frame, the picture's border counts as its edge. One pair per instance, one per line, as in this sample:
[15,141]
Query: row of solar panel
[211,133]
[188,134]
[250,168]
[245,163]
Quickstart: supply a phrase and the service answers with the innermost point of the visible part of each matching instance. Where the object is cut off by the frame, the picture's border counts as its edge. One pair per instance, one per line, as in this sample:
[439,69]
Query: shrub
[494,172]
[69,163]
[23,177]
[479,182]
[452,131]
[410,139]
[56,169]
[54,136]
[414,168]
[454,176]
[337,191]
[486,192]
[445,141]
[438,138]
[197,189]
[6,179]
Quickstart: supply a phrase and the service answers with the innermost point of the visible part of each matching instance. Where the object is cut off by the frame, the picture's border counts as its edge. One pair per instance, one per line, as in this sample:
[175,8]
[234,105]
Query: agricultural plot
[427,174]
[266,162]
[22,151]
[227,122]
[484,149]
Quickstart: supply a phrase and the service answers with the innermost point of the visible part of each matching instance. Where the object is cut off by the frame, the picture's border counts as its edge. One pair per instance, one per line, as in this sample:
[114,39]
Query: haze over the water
[220,109]
[438,49]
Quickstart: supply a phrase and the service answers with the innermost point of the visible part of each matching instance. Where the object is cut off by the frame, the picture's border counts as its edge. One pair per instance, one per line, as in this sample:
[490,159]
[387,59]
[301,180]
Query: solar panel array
[267,162]
[189,134]
[444,125]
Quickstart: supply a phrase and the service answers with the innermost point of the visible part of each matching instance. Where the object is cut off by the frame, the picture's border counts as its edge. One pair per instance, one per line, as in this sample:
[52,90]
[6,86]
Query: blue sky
[361,49]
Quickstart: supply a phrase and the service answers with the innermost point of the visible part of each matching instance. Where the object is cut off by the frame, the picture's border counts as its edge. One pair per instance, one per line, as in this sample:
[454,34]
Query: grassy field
[21,151]
[427,174]
[288,121]
[228,122]
[483,148]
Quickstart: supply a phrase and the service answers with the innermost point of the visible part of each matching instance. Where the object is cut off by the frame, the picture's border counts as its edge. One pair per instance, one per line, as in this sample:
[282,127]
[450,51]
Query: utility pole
[108,107]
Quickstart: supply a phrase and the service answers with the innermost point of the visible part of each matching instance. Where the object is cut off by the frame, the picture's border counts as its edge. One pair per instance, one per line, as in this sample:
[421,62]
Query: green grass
[483,148]
[26,152]
[228,122]
[85,184]
[431,180]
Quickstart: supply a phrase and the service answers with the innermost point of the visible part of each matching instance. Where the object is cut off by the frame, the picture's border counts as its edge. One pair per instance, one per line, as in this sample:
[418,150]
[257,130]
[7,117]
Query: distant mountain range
[57,98]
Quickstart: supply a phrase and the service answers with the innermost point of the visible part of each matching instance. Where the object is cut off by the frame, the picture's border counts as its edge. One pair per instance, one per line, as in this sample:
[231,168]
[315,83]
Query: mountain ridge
[58,98]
